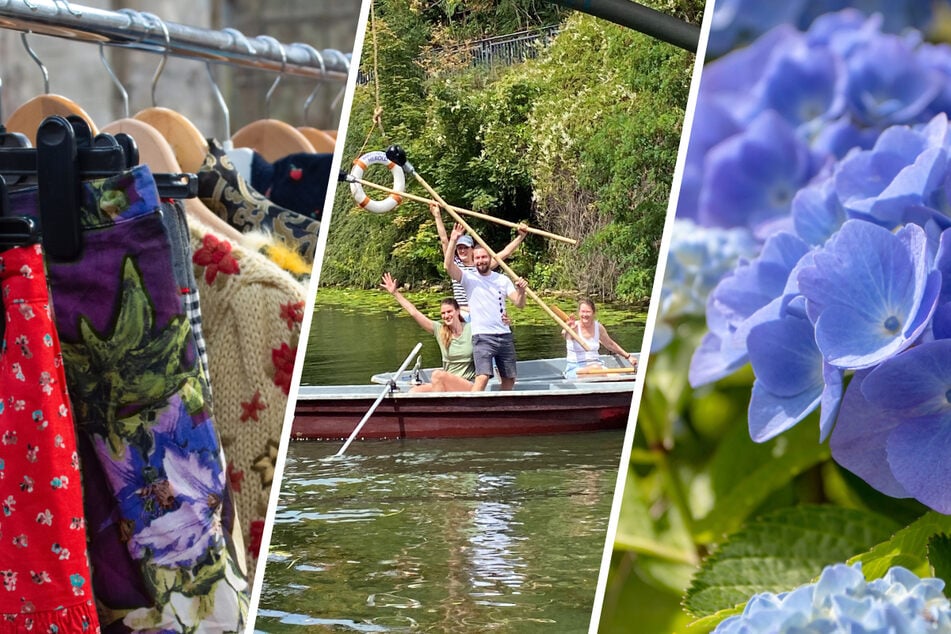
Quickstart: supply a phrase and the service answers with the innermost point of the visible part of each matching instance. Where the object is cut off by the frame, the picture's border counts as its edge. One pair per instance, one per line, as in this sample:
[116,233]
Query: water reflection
[441,536]
[492,559]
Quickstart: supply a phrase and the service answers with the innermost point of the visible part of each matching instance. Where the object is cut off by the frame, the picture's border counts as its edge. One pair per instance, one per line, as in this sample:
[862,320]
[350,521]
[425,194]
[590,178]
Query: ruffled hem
[79,618]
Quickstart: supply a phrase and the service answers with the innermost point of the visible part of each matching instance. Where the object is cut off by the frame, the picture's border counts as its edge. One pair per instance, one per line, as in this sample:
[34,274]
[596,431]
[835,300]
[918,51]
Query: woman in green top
[453,336]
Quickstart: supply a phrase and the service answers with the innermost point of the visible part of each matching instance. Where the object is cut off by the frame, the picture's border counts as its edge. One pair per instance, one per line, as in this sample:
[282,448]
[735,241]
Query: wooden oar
[379,399]
[599,370]
[468,212]
[399,157]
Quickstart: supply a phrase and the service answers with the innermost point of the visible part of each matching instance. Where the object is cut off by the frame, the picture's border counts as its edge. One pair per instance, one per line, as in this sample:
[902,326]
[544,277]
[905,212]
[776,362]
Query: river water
[500,535]
[472,535]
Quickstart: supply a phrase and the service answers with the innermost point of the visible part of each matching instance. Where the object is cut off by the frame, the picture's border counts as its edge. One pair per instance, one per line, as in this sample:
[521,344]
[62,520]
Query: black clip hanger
[18,231]
[58,180]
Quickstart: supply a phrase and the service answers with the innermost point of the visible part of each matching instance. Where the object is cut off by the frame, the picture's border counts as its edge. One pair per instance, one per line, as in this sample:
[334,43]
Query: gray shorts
[500,348]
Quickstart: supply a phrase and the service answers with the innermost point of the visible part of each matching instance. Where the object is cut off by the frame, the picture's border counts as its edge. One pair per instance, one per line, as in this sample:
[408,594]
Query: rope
[378,109]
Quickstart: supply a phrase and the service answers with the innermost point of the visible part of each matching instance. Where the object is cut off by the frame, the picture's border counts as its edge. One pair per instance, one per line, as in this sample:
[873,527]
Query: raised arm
[390,286]
[440,227]
[612,345]
[571,322]
[518,295]
[448,257]
[511,246]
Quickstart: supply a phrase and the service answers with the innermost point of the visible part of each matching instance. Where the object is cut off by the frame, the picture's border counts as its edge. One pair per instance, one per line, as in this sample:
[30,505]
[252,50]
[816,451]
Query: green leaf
[746,474]
[907,548]
[709,623]
[939,554]
[780,551]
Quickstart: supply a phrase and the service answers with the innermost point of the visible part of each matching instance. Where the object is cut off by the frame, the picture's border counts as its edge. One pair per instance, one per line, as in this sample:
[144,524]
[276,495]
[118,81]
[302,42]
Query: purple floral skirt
[158,507]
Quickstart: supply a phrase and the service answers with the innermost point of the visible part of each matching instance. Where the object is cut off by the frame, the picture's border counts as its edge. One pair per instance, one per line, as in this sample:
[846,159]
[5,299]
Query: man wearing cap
[463,255]
[487,291]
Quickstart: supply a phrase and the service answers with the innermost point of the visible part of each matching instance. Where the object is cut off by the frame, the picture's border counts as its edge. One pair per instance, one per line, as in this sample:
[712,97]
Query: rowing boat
[543,402]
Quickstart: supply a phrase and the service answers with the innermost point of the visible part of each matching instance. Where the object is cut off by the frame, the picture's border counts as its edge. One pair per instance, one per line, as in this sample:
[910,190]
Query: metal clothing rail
[145,32]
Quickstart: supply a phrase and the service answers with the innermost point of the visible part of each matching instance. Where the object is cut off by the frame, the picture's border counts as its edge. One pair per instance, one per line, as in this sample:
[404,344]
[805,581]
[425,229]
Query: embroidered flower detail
[257,535]
[292,313]
[235,477]
[215,255]
[283,359]
[251,408]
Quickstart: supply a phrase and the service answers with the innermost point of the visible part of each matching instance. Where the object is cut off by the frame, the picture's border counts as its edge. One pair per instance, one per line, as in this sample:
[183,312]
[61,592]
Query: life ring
[399,183]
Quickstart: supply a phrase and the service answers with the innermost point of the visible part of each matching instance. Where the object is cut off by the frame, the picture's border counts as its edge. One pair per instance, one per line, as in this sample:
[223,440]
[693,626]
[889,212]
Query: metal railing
[500,50]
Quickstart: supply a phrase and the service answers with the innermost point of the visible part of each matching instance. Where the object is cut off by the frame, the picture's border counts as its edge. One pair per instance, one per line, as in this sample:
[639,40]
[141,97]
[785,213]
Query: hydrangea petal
[859,437]
[871,293]
[852,339]
[771,415]
[816,212]
[713,360]
[914,383]
[831,400]
[918,452]
[784,356]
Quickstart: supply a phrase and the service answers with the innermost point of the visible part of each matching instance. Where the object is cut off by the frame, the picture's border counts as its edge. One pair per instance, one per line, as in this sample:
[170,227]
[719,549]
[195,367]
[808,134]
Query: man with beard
[463,255]
[487,292]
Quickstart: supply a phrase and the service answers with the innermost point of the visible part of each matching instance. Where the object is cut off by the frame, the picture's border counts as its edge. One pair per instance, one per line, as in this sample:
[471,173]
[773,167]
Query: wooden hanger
[27,118]
[272,139]
[322,142]
[156,152]
[187,142]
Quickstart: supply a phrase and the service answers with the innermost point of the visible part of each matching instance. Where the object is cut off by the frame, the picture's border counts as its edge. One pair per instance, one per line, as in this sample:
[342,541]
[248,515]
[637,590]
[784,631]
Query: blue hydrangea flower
[751,178]
[852,285]
[842,601]
[740,301]
[870,293]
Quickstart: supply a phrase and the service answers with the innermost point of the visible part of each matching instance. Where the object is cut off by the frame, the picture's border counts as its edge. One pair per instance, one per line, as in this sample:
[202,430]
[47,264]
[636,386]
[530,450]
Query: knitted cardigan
[251,313]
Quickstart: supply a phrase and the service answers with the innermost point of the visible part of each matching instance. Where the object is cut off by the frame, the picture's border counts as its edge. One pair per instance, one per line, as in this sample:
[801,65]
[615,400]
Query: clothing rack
[140,31]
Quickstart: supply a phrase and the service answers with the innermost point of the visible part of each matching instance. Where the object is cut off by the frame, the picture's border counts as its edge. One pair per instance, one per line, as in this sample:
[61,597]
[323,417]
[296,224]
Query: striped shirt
[458,291]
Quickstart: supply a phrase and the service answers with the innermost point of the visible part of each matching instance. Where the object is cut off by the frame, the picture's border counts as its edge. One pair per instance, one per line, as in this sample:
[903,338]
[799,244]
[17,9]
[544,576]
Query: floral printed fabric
[225,192]
[158,506]
[44,569]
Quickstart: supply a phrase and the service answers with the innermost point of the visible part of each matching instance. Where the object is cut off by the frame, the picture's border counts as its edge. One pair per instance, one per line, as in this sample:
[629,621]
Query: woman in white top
[595,335]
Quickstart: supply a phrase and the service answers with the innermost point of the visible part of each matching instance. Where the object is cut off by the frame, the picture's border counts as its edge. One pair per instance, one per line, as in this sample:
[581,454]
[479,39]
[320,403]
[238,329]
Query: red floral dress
[44,570]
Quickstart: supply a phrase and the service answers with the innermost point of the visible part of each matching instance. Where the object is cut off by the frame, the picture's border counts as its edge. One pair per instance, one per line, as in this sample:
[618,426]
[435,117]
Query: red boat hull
[461,416]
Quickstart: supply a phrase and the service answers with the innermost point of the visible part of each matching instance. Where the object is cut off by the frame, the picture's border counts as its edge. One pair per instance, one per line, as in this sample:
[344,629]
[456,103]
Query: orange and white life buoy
[399,183]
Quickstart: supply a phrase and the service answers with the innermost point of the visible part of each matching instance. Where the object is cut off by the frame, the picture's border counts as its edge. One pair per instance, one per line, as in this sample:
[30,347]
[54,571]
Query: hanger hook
[39,62]
[115,80]
[237,35]
[168,46]
[346,62]
[221,100]
[323,72]
[69,8]
[267,97]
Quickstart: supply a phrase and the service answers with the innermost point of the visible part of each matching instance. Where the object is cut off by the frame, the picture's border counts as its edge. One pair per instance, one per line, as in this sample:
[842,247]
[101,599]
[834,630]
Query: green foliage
[939,555]
[780,551]
[907,548]
[581,141]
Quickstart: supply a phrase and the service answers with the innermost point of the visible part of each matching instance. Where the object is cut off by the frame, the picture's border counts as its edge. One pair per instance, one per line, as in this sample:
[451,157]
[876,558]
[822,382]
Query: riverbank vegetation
[580,140]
